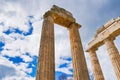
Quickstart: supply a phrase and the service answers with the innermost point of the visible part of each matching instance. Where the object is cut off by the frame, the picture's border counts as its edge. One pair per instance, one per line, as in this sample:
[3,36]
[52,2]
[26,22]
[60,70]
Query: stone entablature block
[60,16]
[46,62]
[106,35]
[110,29]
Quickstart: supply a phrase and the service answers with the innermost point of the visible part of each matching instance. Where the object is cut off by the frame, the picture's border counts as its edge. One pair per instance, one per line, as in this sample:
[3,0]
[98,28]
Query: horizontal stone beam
[60,16]
[111,29]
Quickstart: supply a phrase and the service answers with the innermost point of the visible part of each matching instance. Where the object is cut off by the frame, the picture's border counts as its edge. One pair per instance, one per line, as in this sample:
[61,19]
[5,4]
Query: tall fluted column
[46,64]
[98,75]
[114,56]
[78,58]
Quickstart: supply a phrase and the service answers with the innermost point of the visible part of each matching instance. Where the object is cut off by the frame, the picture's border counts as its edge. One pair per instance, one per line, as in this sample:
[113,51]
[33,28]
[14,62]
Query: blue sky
[20,33]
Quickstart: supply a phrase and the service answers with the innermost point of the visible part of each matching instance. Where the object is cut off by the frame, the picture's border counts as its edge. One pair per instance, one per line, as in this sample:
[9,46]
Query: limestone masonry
[105,35]
[46,61]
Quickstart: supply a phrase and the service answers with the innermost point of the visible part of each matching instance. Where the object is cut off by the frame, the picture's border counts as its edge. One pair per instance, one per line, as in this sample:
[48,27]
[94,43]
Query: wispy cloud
[20,30]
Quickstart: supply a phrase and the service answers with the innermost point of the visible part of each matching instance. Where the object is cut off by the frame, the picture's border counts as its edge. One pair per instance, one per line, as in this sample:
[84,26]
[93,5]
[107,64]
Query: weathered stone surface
[113,55]
[112,30]
[97,71]
[60,16]
[46,64]
[106,35]
[78,58]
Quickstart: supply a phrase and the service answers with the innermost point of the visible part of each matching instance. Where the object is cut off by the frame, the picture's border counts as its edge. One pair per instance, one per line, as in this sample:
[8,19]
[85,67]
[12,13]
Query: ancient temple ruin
[105,35]
[46,61]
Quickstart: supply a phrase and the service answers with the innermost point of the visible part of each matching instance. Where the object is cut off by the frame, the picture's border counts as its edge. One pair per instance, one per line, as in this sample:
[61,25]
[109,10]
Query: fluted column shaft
[78,58]
[114,56]
[98,75]
[46,64]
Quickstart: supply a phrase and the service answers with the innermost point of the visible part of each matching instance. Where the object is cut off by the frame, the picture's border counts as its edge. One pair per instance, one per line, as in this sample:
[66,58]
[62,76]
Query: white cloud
[19,78]
[15,72]
[26,58]
[14,14]
[4,70]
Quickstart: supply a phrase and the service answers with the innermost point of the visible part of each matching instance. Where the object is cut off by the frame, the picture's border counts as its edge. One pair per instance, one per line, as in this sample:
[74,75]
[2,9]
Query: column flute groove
[78,58]
[97,71]
[113,55]
[46,64]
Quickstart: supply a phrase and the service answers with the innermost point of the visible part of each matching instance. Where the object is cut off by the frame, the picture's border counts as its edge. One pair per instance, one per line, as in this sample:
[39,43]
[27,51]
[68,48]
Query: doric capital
[49,18]
[109,39]
[48,13]
[92,49]
[74,25]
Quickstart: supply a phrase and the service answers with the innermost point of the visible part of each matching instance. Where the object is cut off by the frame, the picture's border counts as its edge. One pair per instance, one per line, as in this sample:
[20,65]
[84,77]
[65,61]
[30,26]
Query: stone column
[98,75]
[114,56]
[46,64]
[78,58]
